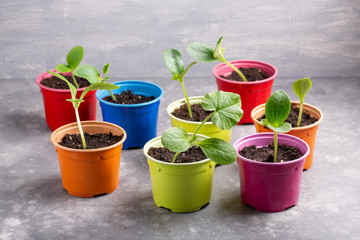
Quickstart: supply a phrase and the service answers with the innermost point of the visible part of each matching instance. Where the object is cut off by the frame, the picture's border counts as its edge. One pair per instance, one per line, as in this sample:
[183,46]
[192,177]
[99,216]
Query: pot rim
[157,139]
[267,134]
[74,124]
[262,106]
[271,78]
[119,83]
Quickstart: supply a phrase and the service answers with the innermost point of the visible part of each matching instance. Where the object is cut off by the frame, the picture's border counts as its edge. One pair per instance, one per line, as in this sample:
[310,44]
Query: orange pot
[91,172]
[306,133]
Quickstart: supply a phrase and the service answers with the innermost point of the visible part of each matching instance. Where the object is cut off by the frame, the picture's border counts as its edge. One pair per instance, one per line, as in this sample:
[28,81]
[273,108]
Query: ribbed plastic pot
[270,187]
[138,120]
[306,133]
[89,172]
[252,94]
[58,111]
[208,129]
[180,187]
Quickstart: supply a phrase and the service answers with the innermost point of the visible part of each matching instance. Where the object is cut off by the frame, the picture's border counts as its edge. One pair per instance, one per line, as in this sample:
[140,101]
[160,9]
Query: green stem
[174,157]
[192,139]
[235,69]
[300,114]
[73,77]
[275,146]
[186,97]
[80,128]
[112,95]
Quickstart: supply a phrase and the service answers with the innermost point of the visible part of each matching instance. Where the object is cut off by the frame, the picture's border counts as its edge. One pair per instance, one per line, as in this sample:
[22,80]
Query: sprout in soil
[301,87]
[226,113]
[204,53]
[77,101]
[175,64]
[277,109]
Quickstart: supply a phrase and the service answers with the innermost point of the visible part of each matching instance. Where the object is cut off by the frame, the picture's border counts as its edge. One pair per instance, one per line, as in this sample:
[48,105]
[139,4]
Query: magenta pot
[58,111]
[270,187]
[252,94]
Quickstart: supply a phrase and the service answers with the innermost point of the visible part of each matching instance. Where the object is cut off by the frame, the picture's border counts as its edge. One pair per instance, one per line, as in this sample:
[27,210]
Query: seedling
[204,53]
[226,113]
[277,109]
[77,101]
[175,64]
[301,87]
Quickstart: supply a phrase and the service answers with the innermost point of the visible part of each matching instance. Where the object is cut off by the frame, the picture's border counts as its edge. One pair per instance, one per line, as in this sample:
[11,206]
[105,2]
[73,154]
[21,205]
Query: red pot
[58,111]
[252,93]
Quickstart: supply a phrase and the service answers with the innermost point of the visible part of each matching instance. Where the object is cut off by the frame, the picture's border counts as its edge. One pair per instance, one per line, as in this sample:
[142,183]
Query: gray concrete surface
[34,205]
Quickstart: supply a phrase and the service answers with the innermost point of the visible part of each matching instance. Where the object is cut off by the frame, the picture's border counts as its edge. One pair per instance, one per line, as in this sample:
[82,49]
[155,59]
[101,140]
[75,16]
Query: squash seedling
[204,53]
[77,101]
[175,64]
[301,87]
[226,113]
[277,109]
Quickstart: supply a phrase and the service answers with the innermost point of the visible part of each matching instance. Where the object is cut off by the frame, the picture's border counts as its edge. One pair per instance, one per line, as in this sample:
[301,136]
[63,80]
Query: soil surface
[285,153]
[57,83]
[251,74]
[198,113]
[193,154]
[127,97]
[93,141]
[306,118]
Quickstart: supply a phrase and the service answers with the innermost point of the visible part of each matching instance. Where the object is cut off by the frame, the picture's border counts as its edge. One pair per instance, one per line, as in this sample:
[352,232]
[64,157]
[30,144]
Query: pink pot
[252,93]
[270,187]
[58,111]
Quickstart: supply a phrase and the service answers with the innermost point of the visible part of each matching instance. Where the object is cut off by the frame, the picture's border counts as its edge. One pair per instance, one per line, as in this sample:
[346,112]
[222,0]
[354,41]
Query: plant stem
[73,77]
[275,146]
[80,128]
[174,157]
[300,113]
[192,139]
[186,97]
[112,95]
[235,69]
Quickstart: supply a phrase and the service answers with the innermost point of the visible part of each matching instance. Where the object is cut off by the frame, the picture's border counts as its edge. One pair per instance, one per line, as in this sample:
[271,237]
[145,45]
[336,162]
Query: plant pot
[58,111]
[180,187]
[208,129]
[252,94]
[270,187]
[91,172]
[306,133]
[138,120]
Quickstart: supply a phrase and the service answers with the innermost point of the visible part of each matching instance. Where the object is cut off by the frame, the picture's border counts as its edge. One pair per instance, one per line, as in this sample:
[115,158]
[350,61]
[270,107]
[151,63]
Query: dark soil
[57,83]
[251,74]
[306,118]
[198,113]
[193,154]
[93,141]
[127,97]
[285,153]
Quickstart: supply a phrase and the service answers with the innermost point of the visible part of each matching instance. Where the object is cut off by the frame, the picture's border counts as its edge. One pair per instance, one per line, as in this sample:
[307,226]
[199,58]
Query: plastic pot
[252,94]
[138,120]
[306,133]
[208,129]
[270,187]
[58,111]
[180,187]
[91,172]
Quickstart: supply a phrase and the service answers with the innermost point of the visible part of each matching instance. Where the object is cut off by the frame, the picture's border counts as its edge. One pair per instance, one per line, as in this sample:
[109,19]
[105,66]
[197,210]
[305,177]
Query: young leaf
[63,68]
[277,108]
[74,57]
[175,139]
[301,87]
[219,51]
[106,68]
[102,85]
[201,52]
[282,128]
[88,72]
[173,61]
[218,150]
[227,107]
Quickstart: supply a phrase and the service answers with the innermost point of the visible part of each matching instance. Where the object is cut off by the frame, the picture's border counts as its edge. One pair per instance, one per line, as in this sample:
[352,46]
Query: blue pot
[138,120]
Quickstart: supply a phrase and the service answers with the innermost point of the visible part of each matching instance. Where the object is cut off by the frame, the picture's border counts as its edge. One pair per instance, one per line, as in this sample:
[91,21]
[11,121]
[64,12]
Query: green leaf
[227,107]
[219,52]
[101,85]
[175,139]
[74,57]
[277,108]
[201,52]
[218,150]
[173,61]
[63,68]
[73,89]
[282,128]
[301,87]
[88,72]
[106,68]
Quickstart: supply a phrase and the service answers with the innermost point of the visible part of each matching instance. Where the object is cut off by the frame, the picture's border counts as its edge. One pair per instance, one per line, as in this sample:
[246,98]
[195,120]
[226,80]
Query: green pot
[208,129]
[180,187]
